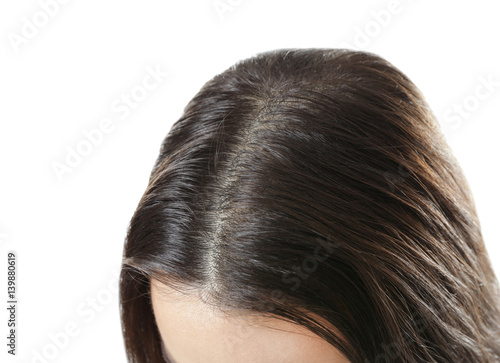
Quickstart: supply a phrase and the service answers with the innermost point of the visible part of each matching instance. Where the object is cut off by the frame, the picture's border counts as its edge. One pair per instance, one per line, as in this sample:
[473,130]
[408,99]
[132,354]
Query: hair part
[306,183]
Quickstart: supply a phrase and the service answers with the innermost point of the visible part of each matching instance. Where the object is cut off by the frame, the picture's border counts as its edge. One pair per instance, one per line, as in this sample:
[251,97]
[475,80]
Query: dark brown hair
[304,182]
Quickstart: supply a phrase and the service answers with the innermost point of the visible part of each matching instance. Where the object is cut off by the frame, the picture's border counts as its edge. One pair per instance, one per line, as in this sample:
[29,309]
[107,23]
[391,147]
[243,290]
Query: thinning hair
[316,182]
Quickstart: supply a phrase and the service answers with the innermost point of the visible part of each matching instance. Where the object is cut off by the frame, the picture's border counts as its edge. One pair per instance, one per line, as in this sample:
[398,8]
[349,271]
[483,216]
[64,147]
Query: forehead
[194,331]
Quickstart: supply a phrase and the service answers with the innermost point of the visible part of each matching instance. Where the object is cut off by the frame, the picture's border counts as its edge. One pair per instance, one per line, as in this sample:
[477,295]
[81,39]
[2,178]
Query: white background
[61,72]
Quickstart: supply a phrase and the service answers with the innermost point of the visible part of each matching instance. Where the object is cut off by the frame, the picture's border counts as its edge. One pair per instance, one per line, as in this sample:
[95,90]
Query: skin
[194,332]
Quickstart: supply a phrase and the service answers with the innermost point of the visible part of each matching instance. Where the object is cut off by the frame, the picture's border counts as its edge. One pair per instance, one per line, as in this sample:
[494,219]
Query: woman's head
[309,189]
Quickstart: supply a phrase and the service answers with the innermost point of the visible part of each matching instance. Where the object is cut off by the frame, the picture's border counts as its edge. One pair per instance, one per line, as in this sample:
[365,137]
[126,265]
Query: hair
[305,183]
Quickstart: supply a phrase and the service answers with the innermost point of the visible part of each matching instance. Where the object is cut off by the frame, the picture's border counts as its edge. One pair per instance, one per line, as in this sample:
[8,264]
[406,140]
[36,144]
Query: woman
[306,208]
